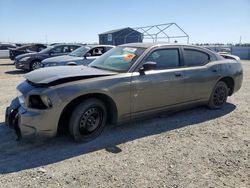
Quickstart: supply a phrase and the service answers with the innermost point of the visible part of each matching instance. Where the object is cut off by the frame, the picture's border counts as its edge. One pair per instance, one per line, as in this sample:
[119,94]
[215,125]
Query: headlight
[46,100]
[50,64]
[39,102]
[20,98]
[71,63]
[24,59]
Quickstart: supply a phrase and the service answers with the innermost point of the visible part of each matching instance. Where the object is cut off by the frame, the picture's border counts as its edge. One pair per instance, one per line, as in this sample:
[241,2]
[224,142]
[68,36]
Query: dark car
[31,61]
[26,49]
[81,56]
[128,82]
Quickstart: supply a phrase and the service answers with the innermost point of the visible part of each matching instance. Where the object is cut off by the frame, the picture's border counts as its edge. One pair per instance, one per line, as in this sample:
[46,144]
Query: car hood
[64,58]
[62,74]
[25,55]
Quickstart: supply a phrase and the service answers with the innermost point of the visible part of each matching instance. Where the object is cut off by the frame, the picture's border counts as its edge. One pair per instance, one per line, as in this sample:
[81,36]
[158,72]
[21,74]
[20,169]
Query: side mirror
[147,66]
[87,55]
[51,53]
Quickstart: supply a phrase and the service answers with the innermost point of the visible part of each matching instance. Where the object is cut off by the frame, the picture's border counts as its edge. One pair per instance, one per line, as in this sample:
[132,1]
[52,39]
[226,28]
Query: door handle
[178,74]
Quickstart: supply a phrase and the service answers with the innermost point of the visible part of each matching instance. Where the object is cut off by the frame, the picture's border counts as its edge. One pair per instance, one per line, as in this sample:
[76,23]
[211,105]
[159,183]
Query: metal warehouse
[120,36]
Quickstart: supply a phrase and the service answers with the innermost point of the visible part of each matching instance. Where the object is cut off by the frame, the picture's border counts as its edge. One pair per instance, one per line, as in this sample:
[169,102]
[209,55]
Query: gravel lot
[193,148]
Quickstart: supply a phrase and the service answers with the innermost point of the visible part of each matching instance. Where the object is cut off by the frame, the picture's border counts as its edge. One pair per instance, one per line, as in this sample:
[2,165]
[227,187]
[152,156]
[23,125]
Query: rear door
[161,87]
[201,72]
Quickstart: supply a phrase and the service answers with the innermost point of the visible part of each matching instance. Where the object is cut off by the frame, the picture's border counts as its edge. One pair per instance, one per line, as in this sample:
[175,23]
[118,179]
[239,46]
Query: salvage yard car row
[61,54]
[34,56]
[127,82]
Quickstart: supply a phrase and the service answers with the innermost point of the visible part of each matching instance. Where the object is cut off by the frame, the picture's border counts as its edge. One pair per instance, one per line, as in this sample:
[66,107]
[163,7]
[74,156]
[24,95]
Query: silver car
[81,56]
[129,81]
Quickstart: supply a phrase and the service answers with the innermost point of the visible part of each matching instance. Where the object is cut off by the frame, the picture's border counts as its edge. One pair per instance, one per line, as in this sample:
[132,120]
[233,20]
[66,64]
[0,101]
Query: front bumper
[11,116]
[28,123]
[21,65]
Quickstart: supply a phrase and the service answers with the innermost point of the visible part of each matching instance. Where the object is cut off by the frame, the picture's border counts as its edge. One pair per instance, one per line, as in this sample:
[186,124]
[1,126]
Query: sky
[205,21]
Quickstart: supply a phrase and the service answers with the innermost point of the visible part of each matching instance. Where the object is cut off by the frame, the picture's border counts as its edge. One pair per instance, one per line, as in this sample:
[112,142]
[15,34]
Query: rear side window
[32,48]
[165,58]
[58,49]
[195,57]
[72,48]
[39,48]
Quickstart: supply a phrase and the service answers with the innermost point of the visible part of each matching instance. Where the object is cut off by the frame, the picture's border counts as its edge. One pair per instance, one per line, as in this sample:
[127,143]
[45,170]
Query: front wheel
[88,120]
[35,65]
[219,96]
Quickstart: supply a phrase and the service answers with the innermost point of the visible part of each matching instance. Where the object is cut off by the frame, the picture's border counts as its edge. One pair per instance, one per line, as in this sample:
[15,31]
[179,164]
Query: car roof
[158,44]
[31,44]
[65,44]
[99,45]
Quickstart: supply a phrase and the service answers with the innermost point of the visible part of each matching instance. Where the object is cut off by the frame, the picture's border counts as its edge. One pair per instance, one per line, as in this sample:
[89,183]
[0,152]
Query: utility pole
[46,39]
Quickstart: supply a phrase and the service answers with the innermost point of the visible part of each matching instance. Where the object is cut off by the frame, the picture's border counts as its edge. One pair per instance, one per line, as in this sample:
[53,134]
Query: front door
[158,88]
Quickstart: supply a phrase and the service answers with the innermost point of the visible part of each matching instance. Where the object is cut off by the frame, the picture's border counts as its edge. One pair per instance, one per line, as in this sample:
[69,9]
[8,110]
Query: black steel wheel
[219,96]
[88,120]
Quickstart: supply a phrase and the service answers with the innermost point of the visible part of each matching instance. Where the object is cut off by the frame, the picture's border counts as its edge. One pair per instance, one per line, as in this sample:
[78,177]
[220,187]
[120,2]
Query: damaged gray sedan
[129,81]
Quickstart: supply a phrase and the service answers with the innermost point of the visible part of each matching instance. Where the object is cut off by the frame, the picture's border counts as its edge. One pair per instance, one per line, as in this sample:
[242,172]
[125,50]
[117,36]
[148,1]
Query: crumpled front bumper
[11,117]
[29,124]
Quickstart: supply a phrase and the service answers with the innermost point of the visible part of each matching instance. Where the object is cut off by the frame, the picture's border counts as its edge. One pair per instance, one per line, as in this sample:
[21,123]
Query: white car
[229,56]
[5,50]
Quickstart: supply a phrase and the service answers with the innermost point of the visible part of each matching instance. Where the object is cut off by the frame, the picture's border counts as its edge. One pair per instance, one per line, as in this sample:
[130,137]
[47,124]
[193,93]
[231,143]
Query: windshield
[46,50]
[118,59]
[80,52]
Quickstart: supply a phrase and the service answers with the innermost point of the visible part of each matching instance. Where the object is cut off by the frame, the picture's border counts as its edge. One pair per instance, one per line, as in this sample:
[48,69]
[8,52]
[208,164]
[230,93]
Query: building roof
[114,30]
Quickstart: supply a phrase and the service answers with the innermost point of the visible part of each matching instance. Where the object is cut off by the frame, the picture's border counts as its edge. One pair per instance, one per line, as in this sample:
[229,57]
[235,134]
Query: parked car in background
[229,56]
[81,56]
[32,61]
[5,50]
[129,81]
[26,49]
[225,54]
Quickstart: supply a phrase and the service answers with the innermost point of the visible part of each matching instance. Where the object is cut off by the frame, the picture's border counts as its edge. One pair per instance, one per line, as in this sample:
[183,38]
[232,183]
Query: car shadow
[16,156]
[16,72]
[7,64]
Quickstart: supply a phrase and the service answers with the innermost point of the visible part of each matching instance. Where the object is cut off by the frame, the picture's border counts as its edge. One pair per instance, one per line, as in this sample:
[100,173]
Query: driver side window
[97,51]
[165,58]
[57,50]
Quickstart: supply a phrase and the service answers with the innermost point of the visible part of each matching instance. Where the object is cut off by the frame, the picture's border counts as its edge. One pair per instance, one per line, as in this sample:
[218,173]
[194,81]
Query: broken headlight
[39,102]
[20,98]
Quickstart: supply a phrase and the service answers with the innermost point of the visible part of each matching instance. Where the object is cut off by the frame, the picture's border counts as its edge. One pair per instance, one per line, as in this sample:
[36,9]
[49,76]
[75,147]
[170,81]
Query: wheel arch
[229,81]
[33,60]
[112,113]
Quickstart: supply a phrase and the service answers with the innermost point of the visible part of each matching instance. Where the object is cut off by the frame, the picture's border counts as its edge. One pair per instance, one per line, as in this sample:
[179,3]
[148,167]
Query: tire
[36,64]
[88,120]
[219,96]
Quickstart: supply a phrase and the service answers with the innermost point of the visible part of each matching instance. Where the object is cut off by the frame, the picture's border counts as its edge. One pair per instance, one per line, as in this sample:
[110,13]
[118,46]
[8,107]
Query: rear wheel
[219,95]
[35,65]
[88,120]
